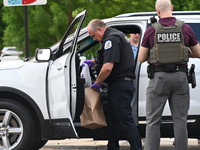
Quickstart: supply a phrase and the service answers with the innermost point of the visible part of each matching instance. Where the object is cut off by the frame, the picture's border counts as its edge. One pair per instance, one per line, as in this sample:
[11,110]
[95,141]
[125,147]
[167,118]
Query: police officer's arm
[195,51]
[104,72]
[143,53]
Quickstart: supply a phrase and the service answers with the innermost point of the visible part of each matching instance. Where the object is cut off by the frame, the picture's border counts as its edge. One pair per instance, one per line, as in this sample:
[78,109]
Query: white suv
[42,99]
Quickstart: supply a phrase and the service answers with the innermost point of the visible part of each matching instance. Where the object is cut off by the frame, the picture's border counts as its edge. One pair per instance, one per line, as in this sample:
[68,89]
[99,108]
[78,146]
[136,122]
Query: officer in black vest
[115,66]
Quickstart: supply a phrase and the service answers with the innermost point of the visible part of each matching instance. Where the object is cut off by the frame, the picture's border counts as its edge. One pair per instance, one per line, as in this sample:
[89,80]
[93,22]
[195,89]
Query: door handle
[60,67]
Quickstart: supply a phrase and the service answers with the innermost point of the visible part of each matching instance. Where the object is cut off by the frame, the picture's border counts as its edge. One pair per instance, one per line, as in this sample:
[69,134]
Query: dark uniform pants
[119,116]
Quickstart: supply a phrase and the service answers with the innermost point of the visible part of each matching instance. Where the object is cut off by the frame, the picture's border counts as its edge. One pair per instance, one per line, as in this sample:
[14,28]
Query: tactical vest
[169,45]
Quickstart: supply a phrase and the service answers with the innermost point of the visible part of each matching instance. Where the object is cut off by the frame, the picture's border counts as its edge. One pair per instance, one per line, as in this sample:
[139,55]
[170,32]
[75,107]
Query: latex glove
[89,62]
[96,87]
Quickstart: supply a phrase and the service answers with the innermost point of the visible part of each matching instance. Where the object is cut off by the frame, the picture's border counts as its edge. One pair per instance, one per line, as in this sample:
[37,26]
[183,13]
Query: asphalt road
[89,144]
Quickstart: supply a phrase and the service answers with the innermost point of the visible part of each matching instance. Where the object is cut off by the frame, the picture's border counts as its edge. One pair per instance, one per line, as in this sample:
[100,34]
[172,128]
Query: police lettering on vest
[169,45]
[169,37]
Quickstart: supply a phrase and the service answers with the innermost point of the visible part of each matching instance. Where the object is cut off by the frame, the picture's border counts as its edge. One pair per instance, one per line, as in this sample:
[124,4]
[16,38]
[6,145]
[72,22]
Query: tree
[2,26]
[186,5]
[48,23]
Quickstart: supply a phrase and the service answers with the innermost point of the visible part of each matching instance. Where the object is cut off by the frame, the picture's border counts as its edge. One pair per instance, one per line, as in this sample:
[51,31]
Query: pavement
[89,144]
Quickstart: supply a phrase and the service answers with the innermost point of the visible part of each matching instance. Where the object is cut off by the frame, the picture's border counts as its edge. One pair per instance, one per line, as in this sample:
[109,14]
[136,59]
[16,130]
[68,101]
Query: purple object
[89,62]
[96,86]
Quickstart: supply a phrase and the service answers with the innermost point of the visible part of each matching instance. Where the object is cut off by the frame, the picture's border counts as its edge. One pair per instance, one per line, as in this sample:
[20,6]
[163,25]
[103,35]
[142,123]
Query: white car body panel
[23,72]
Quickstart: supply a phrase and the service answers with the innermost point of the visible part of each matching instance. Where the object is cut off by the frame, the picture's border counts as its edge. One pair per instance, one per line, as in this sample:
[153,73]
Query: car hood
[11,65]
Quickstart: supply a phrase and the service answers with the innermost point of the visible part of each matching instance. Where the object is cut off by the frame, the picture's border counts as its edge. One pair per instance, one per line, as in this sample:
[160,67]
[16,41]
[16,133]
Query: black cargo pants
[119,115]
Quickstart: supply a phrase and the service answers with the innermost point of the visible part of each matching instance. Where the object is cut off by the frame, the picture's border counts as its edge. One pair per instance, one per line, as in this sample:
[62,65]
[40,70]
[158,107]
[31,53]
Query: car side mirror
[43,54]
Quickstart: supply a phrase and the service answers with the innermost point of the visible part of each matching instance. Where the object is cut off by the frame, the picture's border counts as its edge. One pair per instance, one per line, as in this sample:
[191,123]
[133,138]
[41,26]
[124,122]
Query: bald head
[164,8]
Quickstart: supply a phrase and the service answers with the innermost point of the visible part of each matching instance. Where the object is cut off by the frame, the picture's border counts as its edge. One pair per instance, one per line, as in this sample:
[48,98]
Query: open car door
[62,80]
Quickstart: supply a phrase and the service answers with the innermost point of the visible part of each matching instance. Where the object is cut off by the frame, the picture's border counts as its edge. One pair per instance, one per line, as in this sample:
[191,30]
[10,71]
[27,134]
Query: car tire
[17,125]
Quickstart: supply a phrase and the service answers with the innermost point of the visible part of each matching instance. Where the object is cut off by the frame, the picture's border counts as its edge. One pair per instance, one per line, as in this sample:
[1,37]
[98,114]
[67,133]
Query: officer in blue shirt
[134,41]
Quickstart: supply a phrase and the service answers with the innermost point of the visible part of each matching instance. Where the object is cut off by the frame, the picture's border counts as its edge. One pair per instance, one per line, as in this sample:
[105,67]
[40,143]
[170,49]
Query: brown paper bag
[92,116]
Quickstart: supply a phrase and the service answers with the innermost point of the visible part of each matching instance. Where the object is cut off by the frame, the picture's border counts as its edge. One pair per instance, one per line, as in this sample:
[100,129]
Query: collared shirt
[135,50]
[188,33]
[116,48]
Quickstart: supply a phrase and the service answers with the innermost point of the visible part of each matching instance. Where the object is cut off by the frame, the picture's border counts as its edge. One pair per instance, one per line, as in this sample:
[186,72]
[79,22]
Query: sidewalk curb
[103,147]
[90,144]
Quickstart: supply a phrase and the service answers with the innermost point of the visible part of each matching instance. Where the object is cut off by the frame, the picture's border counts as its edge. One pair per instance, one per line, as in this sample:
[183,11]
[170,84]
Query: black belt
[170,68]
[126,79]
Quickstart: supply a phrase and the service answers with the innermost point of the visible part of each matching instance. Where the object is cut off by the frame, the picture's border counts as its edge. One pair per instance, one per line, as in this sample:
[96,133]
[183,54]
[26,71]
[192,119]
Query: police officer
[134,41]
[166,46]
[115,66]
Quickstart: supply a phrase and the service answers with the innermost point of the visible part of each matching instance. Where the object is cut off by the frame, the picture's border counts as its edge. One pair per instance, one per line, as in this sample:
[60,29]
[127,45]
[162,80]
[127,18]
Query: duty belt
[170,68]
[126,79]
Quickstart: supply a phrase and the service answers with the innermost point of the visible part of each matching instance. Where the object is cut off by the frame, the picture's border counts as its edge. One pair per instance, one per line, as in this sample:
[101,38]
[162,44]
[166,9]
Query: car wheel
[17,127]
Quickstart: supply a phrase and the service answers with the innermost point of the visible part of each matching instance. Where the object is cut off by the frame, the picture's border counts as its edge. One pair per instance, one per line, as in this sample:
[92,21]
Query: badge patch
[108,44]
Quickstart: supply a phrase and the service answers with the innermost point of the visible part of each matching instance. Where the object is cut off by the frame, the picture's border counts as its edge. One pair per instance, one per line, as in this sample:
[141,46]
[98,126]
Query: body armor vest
[169,45]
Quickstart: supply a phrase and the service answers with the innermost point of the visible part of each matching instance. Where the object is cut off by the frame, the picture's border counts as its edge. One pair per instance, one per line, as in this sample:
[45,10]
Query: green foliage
[2,26]
[186,5]
[13,17]
[47,23]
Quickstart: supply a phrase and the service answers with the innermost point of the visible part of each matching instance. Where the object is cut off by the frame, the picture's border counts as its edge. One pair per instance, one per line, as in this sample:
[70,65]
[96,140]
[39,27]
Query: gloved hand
[96,87]
[89,62]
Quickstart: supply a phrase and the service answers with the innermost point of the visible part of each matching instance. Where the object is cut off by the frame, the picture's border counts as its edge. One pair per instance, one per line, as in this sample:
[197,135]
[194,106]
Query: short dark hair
[137,31]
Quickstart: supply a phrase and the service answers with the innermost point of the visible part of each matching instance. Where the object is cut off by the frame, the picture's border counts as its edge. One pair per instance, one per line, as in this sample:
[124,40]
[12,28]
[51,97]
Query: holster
[150,71]
[191,76]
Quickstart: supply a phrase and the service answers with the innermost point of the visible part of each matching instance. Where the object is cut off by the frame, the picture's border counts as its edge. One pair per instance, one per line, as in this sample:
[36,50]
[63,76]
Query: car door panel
[62,76]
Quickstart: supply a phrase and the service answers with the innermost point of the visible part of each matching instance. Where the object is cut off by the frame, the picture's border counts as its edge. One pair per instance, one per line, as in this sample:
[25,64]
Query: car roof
[154,13]
[139,16]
